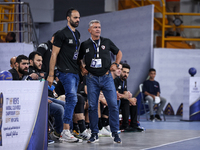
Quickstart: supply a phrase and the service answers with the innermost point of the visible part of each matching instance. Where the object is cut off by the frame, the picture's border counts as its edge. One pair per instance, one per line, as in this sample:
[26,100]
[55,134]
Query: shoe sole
[117,142]
[140,131]
[77,141]
[158,119]
[93,141]
[51,142]
[103,135]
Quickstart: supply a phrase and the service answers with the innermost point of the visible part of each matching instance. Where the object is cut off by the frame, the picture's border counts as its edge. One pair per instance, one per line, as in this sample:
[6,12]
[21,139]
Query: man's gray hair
[94,21]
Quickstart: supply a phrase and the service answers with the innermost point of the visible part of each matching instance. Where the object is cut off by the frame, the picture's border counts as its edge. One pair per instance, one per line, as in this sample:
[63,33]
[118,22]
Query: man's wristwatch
[116,64]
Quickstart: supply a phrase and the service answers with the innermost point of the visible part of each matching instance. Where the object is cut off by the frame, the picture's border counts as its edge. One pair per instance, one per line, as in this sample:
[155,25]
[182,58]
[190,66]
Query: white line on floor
[172,143]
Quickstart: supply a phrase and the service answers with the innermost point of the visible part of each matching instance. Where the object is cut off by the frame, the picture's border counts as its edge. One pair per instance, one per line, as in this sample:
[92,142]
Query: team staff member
[97,58]
[128,103]
[20,72]
[64,55]
[45,49]
[12,62]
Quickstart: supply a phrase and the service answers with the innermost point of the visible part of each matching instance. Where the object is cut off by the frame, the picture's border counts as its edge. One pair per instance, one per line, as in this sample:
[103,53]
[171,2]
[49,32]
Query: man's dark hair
[152,69]
[126,66]
[20,57]
[69,12]
[32,55]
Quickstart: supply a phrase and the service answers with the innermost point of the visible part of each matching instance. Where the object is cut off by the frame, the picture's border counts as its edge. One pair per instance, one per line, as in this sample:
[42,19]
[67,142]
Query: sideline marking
[171,143]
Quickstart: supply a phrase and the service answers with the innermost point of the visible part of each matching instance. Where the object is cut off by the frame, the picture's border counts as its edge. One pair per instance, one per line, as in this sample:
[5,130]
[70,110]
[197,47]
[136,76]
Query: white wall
[8,50]
[172,67]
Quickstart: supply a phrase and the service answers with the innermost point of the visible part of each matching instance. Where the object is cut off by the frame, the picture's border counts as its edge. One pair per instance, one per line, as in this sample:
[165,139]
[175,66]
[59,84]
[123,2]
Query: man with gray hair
[98,65]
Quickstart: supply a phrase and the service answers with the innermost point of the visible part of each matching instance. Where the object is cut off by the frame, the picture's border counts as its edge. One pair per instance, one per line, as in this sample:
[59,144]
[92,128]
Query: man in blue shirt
[151,90]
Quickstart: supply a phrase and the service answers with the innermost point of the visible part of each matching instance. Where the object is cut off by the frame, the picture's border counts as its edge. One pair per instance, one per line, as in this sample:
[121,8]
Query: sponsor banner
[194,98]
[21,115]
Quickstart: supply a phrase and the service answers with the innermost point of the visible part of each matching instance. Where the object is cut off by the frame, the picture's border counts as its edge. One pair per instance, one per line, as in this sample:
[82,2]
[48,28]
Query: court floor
[172,134]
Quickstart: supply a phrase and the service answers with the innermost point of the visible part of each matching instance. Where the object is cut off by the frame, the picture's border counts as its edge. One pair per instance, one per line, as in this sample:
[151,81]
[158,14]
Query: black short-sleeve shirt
[151,87]
[15,74]
[120,85]
[87,49]
[45,49]
[65,40]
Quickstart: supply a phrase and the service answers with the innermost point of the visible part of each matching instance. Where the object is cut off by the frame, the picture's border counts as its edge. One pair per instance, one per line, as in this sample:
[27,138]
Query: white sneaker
[89,131]
[104,133]
[107,128]
[66,136]
[85,135]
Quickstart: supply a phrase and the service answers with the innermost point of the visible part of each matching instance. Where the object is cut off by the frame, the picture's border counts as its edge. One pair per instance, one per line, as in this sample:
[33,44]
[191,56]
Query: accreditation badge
[96,63]
[75,55]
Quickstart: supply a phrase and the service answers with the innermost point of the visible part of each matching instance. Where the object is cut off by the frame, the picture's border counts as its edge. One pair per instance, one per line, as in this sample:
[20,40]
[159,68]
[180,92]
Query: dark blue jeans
[70,83]
[57,111]
[94,85]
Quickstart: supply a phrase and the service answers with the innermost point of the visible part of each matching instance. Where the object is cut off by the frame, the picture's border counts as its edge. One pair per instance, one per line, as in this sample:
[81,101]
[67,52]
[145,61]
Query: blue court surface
[171,134]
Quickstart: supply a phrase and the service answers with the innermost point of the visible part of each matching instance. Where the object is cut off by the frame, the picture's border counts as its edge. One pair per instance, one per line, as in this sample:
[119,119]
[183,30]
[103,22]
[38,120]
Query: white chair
[145,102]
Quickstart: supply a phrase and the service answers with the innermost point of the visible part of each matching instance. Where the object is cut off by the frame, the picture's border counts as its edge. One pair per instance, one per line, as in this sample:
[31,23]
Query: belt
[102,75]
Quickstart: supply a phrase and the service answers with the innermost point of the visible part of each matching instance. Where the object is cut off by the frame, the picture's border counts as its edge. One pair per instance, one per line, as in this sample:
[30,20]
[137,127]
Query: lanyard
[76,41]
[123,86]
[96,47]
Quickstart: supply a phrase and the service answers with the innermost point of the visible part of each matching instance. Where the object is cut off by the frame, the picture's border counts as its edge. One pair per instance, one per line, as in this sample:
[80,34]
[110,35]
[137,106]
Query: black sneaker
[54,137]
[133,129]
[158,117]
[130,129]
[50,142]
[94,138]
[139,129]
[152,118]
[116,138]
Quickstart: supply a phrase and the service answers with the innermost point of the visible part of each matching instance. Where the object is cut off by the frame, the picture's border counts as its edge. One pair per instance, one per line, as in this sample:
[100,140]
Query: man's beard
[34,65]
[22,71]
[123,78]
[73,24]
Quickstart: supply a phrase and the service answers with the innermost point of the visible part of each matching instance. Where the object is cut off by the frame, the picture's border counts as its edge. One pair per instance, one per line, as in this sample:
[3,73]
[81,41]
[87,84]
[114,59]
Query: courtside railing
[19,20]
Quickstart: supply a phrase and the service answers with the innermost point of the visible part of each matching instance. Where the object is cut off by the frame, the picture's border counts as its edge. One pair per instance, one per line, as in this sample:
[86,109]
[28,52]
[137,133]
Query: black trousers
[79,108]
[127,110]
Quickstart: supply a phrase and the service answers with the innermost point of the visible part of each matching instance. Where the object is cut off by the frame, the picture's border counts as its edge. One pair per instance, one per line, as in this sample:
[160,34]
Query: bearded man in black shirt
[20,72]
[128,103]
[64,55]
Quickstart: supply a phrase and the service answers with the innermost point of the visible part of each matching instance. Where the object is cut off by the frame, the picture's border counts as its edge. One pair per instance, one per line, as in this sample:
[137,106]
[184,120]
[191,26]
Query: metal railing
[164,26]
[162,23]
[23,24]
